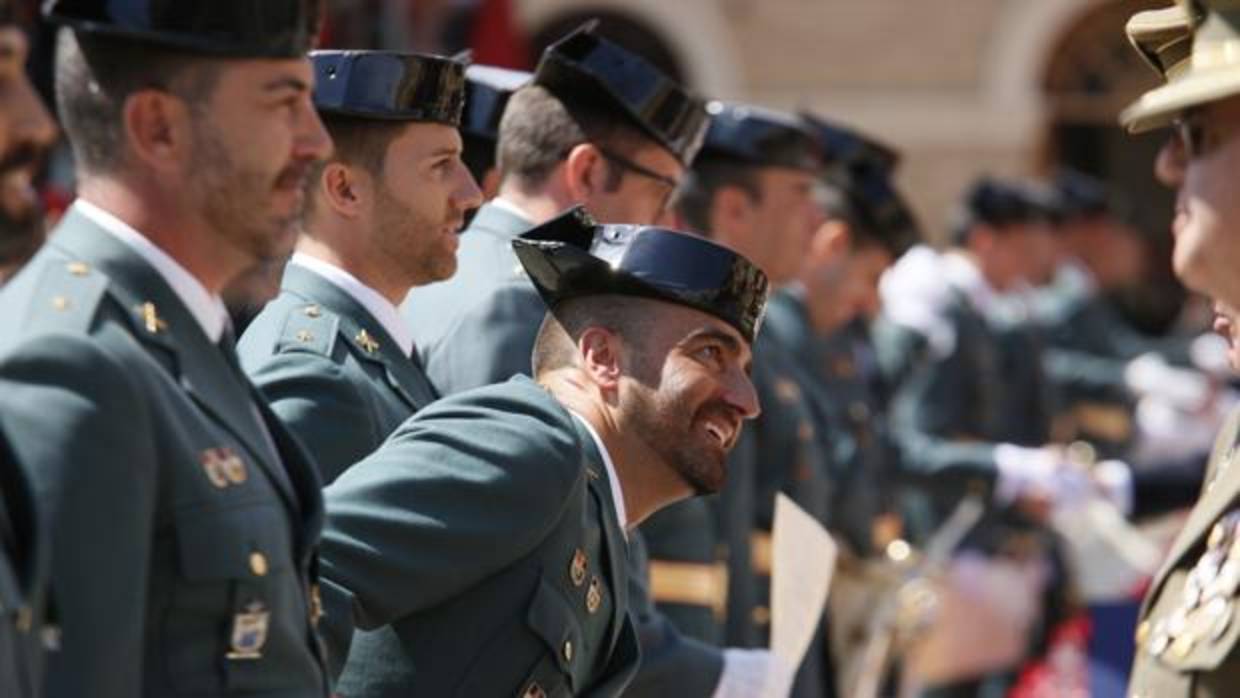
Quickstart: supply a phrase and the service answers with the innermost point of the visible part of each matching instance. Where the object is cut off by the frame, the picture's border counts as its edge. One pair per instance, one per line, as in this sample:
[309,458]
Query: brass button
[568,650]
[258,564]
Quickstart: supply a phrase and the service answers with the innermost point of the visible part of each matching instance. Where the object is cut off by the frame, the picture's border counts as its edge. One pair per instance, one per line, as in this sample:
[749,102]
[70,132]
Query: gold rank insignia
[249,631]
[577,570]
[312,311]
[223,467]
[150,318]
[594,595]
[367,342]
[78,268]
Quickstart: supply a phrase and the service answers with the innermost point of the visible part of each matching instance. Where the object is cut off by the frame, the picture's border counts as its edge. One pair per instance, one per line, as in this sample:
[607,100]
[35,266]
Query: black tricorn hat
[487,89]
[584,68]
[389,86]
[761,137]
[845,146]
[1079,195]
[231,28]
[7,15]
[571,256]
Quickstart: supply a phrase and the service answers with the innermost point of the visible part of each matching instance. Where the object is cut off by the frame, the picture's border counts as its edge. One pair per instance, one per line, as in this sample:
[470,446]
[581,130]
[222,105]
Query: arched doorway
[1092,73]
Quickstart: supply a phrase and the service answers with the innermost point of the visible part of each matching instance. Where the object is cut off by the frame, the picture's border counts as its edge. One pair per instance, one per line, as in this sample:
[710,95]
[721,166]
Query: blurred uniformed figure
[575,135]
[750,189]
[1188,631]
[487,91]
[332,355]
[185,520]
[823,319]
[26,133]
[481,550]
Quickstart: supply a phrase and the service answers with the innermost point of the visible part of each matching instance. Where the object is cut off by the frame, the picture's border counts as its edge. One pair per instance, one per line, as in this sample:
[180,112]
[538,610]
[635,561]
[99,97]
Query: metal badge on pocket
[249,631]
[223,467]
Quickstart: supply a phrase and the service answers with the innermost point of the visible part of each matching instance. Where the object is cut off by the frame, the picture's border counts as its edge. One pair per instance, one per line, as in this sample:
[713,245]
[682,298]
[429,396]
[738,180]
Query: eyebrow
[733,344]
[287,83]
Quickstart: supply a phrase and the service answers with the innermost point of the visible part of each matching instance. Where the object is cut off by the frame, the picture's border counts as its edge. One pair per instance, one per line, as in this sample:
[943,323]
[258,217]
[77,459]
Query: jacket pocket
[560,671]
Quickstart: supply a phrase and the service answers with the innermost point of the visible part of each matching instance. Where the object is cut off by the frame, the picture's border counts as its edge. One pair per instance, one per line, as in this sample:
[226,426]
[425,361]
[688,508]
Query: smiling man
[184,519]
[1188,638]
[332,355]
[481,550]
[26,132]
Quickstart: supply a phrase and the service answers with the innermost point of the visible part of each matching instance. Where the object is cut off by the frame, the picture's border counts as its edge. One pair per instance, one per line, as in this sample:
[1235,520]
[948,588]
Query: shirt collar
[506,205]
[617,494]
[373,301]
[207,308]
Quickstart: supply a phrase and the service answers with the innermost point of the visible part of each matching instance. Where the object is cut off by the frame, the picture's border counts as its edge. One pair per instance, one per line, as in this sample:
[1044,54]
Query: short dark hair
[709,174]
[555,345]
[96,74]
[538,130]
[358,142]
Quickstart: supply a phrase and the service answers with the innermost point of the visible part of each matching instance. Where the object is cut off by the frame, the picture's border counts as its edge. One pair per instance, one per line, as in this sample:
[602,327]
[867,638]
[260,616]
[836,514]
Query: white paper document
[804,561]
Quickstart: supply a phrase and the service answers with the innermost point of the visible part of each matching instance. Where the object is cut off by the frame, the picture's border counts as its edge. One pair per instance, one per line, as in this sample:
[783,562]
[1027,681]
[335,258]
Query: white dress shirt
[373,301]
[617,493]
[206,307]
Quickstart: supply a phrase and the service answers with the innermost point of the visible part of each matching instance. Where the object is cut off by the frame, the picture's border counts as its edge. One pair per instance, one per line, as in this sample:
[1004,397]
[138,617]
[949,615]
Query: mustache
[24,155]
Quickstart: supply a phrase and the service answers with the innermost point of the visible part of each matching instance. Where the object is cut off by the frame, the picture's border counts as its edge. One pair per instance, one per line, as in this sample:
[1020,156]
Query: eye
[711,354]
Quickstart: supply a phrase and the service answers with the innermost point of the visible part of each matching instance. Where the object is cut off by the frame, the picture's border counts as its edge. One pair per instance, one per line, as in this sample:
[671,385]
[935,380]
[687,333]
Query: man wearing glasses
[1188,631]
[578,134]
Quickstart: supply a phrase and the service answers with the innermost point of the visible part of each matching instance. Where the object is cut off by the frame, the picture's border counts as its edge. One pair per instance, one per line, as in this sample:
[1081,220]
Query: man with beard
[331,354]
[185,519]
[1188,636]
[26,132]
[481,550]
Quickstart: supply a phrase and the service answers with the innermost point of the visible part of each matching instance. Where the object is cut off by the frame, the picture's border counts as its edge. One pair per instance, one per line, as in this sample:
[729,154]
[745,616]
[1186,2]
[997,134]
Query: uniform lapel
[161,320]
[1221,496]
[404,374]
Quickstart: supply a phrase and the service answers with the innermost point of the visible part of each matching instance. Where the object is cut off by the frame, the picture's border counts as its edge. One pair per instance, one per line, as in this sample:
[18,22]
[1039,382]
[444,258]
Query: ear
[159,130]
[831,241]
[730,213]
[582,171]
[346,189]
[600,351]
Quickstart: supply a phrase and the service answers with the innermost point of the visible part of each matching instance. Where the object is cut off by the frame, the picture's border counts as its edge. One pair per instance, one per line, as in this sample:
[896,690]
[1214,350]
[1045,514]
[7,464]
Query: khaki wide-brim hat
[1197,52]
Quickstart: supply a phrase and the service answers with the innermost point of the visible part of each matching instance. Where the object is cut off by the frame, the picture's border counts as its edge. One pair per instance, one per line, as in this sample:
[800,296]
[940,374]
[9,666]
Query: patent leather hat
[760,137]
[228,28]
[585,68]
[487,89]
[389,86]
[571,256]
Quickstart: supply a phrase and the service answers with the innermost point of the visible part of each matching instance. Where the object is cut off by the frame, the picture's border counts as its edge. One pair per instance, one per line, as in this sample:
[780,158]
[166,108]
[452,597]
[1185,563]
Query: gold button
[258,564]
[568,650]
[313,311]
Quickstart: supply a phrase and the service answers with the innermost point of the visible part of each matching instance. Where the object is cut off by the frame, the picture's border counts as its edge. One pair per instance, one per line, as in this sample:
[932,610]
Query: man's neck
[367,274]
[185,238]
[538,206]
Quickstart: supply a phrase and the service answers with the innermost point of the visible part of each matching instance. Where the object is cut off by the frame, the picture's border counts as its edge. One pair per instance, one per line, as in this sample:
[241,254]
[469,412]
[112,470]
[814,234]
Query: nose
[742,396]
[312,141]
[1171,163]
[468,194]
[32,123]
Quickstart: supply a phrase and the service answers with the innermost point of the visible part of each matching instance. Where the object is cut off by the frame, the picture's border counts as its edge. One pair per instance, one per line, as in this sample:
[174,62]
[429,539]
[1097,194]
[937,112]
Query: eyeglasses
[637,169]
[1196,136]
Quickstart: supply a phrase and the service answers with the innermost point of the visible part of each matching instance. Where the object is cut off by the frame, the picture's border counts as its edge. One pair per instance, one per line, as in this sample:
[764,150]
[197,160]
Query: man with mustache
[331,354]
[1188,635]
[481,550]
[26,132]
[185,519]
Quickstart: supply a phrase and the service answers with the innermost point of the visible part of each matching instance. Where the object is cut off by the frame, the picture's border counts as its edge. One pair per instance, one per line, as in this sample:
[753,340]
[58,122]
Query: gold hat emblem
[149,315]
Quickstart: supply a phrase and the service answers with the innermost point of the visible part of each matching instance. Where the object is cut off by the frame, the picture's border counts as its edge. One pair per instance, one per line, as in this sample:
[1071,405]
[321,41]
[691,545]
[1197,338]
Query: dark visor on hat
[842,145]
[588,67]
[236,28]
[761,137]
[389,85]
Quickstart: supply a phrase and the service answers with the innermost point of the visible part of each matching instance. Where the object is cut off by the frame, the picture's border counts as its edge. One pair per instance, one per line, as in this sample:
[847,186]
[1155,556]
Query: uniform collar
[381,308]
[206,308]
[509,207]
[617,493]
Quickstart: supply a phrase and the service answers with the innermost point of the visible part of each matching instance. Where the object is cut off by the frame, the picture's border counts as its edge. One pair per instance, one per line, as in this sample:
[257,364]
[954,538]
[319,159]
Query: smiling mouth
[722,433]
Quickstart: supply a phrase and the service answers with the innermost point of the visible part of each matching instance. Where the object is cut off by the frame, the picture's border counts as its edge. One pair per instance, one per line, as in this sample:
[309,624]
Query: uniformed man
[26,133]
[487,91]
[576,135]
[750,189]
[1186,639]
[481,549]
[185,520]
[332,354]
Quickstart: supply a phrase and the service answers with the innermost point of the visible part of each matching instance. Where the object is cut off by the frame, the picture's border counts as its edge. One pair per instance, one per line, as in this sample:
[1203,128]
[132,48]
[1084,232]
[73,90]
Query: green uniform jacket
[468,332]
[23,580]
[1189,632]
[330,371]
[478,553]
[184,544]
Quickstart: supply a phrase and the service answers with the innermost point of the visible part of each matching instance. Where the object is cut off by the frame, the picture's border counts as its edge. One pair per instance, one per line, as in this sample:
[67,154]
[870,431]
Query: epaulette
[66,297]
[309,327]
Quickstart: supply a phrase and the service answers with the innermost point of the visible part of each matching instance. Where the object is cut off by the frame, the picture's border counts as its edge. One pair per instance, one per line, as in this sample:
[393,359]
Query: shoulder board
[66,297]
[309,327]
